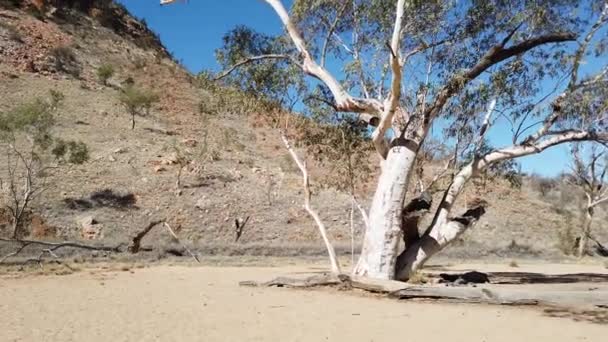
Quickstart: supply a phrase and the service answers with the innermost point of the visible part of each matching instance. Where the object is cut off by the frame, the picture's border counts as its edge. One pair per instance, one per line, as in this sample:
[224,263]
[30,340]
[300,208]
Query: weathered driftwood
[136,241]
[51,247]
[135,245]
[475,294]
[514,278]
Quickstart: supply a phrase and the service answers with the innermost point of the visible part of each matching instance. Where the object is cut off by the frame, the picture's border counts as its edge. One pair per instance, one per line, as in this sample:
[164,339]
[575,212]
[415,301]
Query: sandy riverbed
[180,303]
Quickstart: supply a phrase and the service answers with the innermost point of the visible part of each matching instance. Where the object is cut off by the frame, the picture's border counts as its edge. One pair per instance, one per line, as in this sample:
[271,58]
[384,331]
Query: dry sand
[180,303]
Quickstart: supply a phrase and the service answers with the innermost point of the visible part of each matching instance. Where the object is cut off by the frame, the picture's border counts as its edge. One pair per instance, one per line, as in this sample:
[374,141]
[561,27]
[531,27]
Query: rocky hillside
[236,166]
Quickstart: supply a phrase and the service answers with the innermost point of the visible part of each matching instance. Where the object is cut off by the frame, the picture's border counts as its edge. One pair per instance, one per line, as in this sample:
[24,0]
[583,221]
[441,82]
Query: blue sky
[193,30]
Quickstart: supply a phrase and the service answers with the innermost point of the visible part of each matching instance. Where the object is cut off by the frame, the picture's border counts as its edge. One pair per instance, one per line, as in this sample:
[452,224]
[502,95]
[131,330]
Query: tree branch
[578,56]
[392,102]
[344,101]
[250,60]
[330,32]
[335,267]
[495,55]
[484,126]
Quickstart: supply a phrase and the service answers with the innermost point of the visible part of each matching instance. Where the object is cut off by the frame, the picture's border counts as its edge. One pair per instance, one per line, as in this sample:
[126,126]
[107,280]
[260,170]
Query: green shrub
[104,72]
[74,152]
[57,98]
[25,139]
[137,102]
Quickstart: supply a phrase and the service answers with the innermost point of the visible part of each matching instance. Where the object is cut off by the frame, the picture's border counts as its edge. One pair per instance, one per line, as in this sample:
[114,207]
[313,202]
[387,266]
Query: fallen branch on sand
[470,294]
[52,247]
[135,244]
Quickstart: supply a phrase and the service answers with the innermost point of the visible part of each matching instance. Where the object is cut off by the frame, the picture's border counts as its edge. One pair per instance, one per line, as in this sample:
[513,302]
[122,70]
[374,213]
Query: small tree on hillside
[30,148]
[589,172]
[137,102]
[104,72]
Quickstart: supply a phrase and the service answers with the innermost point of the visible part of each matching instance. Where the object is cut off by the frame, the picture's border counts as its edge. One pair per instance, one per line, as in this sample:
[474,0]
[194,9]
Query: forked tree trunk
[381,242]
[443,230]
[584,238]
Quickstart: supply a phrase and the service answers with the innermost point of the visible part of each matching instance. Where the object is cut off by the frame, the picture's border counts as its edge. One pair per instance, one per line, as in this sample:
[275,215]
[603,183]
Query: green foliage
[57,98]
[31,124]
[74,152]
[33,119]
[104,72]
[25,138]
[343,148]
[226,100]
[137,101]
[274,79]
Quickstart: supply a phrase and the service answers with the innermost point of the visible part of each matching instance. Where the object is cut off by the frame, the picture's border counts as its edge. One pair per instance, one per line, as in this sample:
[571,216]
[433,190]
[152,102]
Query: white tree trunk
[380,245]
[442,232]
[584,237]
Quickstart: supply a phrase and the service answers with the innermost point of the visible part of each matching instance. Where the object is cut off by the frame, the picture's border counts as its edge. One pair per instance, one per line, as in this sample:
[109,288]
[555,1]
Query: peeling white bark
[381,241]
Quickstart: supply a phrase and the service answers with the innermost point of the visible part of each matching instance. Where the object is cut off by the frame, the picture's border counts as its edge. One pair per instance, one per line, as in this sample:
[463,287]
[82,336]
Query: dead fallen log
[51,247]
[135,245]
[486,293]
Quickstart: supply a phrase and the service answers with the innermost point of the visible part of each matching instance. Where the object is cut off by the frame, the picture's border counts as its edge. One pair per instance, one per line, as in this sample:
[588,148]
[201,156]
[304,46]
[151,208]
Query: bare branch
[578,56]
[335,267]
[330,32]
[485,126]
[251,60]
[363,213]
[194,256]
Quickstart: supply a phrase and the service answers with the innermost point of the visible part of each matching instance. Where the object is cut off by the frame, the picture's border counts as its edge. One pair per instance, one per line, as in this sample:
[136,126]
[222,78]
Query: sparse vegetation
[566,239]
[26,136]
[57,98]
[104,73]
[418,278]
[65,60]
[13,32]
[137,102]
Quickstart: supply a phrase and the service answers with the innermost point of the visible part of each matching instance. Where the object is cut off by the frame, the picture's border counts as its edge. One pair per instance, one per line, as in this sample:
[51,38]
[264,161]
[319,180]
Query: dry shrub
[418,278]
[65,60]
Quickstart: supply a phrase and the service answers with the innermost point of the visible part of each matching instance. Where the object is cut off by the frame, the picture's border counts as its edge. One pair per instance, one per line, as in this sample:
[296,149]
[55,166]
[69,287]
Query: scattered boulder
[201,203]
[90,229]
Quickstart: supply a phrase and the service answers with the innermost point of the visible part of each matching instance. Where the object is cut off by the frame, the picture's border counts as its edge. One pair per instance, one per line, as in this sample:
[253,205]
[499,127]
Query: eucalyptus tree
[518,66]
[589,173]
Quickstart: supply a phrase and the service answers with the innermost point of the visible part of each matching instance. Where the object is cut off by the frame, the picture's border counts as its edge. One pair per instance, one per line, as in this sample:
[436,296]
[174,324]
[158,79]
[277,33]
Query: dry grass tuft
[418,278]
